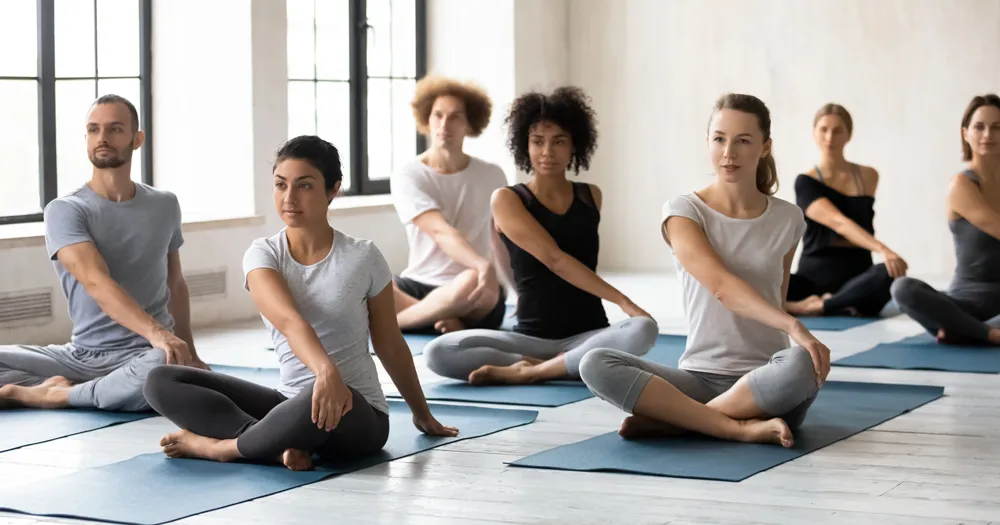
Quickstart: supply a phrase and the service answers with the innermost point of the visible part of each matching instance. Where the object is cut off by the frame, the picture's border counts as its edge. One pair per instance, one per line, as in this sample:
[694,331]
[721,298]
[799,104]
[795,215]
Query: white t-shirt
[462,198]
[719,341]
[332,296]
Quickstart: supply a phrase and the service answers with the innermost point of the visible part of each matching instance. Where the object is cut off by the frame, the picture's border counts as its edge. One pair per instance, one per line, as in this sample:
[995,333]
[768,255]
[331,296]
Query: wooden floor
[939,464]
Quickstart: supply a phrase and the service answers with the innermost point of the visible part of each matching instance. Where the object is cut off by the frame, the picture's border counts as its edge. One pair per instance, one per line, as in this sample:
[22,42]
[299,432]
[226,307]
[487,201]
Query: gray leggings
[106,380]
[785,387]
[965,316]
[263,422]
[458,354]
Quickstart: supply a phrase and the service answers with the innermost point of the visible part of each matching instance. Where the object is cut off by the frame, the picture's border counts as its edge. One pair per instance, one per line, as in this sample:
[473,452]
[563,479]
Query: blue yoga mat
[22,427]
[841,410]
[836,323]
[923,352]
[151,489]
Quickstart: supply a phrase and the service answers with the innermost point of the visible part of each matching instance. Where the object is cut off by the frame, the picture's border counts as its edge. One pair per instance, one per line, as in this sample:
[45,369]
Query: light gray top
[134,238]
[719,341]
[332,296]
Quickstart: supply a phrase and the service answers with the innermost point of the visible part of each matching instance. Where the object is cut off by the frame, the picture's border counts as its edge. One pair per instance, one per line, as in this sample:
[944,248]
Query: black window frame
[46,79]
[360,183]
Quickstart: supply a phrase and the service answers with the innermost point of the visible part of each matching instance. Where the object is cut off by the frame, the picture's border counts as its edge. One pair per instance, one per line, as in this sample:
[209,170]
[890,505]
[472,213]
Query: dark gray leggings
[965,317]
[263,422]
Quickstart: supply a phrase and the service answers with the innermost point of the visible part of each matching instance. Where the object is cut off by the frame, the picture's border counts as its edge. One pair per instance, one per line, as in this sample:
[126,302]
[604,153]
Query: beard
[118,160]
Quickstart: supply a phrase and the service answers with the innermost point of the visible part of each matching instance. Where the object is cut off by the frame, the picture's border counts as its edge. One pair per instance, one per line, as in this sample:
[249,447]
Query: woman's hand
[819,352]
[633,310]
[331,399]
[430,426]
[894,264]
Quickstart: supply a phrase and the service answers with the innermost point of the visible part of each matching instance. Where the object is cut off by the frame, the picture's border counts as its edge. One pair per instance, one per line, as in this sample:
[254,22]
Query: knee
[645,331]
[801,373]
[883,274]
[157,383]
[595,365]
[904,290]
[436,355]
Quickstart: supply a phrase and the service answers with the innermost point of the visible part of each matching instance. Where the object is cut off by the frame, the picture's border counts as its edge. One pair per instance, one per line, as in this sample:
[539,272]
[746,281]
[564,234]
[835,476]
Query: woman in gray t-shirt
[733,243]
[321,293]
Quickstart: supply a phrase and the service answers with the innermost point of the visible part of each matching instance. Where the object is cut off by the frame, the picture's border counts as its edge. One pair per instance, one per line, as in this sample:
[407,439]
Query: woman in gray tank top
[969,311]
[739,378]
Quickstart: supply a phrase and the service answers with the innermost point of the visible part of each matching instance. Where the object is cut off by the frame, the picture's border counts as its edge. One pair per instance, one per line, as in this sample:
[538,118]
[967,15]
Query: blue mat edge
[325,476]
[939,395]
[140,417]
[848,361]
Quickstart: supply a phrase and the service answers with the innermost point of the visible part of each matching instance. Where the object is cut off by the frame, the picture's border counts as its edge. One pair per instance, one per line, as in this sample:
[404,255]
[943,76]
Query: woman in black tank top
[549,229]
[835,275]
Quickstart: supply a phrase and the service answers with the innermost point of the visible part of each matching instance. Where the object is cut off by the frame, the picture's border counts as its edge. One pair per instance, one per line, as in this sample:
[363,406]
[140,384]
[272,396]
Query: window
[60,55]
[352,69]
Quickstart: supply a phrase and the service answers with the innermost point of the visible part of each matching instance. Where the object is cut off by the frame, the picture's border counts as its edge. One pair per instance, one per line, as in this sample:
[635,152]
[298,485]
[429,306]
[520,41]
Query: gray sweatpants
[785,387]
[458,354]
[107,380]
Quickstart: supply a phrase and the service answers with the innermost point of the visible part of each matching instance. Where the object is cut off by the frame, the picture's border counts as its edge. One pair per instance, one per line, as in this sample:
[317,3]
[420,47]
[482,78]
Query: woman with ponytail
[836,275]
[733,242]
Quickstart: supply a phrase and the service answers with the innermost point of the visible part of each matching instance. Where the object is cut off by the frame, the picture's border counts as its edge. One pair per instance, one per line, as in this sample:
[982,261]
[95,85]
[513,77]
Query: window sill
[360,202]
[33,234]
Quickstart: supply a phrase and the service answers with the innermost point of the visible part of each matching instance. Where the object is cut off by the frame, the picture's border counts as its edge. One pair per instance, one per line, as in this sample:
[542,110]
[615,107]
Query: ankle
[994,336]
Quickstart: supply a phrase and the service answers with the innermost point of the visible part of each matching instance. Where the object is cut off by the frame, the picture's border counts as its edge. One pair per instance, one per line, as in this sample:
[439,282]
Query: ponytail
[767,175]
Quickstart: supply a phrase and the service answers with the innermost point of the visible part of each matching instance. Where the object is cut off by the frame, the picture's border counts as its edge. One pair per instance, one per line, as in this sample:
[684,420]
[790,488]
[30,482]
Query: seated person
[733,243]
[114,244]
[443,199]
[549,228]
[321,293]
[835,274]
[969,312]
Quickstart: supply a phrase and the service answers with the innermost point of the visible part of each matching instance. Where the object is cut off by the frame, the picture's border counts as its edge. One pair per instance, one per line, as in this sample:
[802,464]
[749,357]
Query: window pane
[301,109]
[300,39]
[130,89]
[74,25]
[379,129]
[19,176]
[404,128]
[333,44]
[117,38]
[333,111]
[379,38]
[18,39]
[404,38]
[73,99]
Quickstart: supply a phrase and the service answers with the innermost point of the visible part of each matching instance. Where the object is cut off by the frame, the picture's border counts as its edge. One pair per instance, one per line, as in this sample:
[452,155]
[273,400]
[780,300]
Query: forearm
[740,298]
[398,363]
[458,249]
[857,236]
[122,308]
[180,310]
[574,272]
[305,345]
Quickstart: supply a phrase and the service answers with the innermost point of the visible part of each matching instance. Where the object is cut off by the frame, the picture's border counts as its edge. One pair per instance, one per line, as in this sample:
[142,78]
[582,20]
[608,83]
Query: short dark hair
[989,99]
[118,99]
[568,107]
[319,153]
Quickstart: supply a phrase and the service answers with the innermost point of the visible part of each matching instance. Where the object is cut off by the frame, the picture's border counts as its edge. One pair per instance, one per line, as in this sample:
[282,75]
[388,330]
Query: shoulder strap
[523,192]
[818,173]
[972,176]
[858,180]
[584,193]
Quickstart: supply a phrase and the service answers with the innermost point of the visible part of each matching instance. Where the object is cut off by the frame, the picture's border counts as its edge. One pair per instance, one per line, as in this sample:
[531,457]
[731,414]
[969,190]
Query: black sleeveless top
[820,240]
[548,306]
[977,253]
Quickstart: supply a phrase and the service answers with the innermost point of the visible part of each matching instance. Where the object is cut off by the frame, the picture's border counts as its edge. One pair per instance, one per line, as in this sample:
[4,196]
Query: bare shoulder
[595,192]
[869,176]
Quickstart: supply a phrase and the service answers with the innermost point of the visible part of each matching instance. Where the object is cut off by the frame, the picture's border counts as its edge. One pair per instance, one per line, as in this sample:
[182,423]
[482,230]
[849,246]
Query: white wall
[905,69]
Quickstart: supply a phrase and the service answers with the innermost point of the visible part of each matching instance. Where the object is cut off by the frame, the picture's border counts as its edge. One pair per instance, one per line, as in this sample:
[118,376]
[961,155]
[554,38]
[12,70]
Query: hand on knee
[905,290]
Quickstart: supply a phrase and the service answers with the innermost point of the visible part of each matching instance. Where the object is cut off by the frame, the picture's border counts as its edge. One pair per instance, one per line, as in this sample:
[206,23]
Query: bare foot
[638,427]
[297,460]
[518,373]
[945,339]
[995,336]
[774,431]
[532,360]
[51,393]
[449,325]
[186,444]
[812,305]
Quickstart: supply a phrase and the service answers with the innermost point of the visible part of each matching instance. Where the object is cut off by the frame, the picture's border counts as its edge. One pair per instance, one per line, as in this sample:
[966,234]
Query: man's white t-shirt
[462,198]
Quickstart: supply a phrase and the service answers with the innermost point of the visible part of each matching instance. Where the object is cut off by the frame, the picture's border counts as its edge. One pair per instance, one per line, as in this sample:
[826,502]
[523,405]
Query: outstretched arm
[966,199]
[180,304]
[521,228]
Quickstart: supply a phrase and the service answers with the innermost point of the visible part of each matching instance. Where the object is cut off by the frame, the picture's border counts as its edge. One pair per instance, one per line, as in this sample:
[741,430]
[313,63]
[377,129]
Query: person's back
[134,238]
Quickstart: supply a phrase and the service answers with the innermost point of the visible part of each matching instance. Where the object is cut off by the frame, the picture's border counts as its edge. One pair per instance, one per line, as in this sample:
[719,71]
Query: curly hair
[569,108]
[478,106]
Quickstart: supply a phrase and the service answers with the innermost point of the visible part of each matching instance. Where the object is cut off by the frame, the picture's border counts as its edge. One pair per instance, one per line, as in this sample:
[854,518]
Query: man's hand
[176,349]
[487,280]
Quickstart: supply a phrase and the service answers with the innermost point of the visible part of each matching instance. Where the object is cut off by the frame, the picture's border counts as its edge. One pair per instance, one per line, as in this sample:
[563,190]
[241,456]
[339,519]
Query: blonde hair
[838,110]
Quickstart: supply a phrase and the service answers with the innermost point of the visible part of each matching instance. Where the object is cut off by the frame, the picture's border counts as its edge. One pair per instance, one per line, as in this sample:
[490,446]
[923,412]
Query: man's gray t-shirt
[754,250]
[134,238]
[332,296]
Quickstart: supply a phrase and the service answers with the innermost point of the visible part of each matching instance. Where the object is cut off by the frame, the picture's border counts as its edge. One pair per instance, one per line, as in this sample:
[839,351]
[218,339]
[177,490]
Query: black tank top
[548,306]
[820,240]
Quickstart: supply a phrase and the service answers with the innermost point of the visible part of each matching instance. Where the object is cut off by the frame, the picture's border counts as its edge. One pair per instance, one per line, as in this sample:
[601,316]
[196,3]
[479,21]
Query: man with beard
[114,244]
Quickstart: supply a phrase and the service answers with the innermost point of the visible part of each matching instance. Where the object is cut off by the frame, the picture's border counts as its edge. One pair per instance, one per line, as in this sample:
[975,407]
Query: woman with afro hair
[549,228]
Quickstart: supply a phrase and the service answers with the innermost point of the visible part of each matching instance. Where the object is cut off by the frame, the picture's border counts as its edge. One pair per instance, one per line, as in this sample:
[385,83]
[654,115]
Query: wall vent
[31,306]
[208,284]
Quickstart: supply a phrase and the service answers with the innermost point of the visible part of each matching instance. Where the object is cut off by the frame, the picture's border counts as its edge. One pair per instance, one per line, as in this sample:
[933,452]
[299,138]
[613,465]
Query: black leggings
[965,318]
[263,422]
[859,288]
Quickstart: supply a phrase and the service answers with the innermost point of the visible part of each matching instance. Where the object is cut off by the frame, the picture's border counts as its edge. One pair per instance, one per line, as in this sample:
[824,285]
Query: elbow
[722,291]
[556,261]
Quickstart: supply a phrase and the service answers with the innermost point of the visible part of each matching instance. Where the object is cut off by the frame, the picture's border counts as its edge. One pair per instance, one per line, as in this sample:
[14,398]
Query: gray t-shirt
[332,296]
[134,238]
[719,341]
